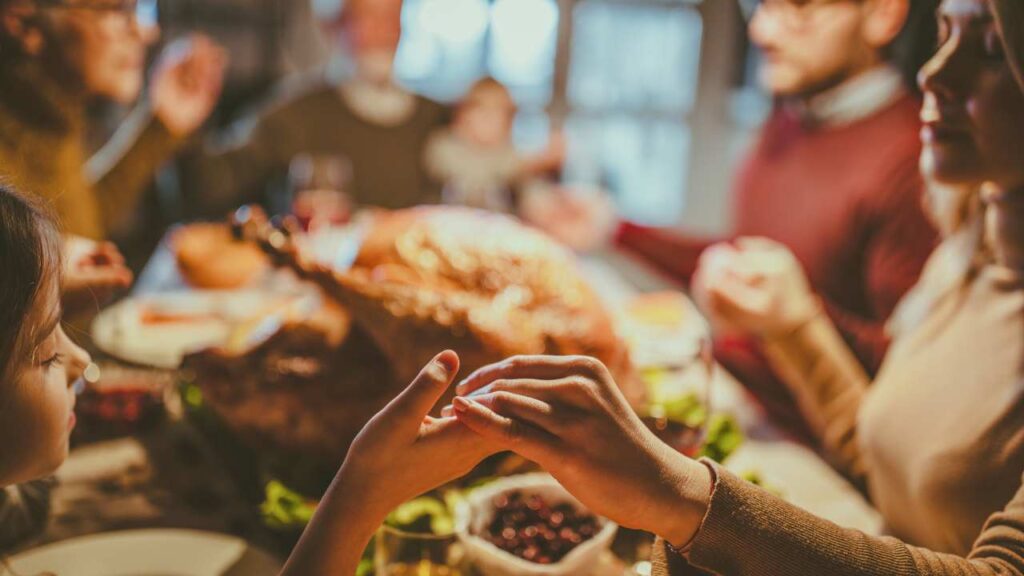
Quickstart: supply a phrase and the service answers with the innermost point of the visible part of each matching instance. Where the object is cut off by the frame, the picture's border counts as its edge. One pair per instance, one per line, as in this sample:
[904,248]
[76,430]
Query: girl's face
[37,407]
[973,110]
[104,43]
[485,117]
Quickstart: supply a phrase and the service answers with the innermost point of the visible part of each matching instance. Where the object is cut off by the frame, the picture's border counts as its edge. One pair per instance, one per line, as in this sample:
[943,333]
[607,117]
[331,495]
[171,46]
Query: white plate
[137,553]
[212,317]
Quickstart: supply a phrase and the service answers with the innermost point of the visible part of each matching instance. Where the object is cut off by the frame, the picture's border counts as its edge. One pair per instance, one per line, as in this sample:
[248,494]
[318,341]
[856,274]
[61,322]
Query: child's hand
[403,452]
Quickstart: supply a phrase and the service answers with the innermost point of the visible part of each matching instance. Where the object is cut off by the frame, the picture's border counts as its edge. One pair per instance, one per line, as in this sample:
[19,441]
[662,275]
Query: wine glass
[319,185]
[671,347]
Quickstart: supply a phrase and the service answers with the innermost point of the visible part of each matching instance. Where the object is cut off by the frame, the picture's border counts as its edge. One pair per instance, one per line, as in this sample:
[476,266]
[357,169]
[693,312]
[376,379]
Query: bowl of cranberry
[529,525]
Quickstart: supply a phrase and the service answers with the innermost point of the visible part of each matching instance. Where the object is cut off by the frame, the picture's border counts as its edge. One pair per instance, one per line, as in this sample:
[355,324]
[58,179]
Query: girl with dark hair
[400,454]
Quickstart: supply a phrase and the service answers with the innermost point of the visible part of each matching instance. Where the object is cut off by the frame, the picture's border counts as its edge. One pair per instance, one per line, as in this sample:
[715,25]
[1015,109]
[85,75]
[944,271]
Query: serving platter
[158,330]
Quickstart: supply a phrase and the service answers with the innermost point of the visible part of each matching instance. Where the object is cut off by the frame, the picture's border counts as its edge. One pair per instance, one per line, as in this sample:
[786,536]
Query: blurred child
[475,156]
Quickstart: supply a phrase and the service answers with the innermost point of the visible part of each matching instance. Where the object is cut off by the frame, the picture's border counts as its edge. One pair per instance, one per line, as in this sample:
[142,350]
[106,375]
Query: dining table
[171,477]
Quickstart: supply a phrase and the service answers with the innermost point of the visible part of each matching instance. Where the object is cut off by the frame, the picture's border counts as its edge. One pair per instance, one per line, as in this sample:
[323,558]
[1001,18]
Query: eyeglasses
[793,14]
[145,12]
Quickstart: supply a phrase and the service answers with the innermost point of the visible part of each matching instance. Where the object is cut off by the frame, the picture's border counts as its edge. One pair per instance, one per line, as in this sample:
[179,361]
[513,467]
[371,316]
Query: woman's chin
[952,164]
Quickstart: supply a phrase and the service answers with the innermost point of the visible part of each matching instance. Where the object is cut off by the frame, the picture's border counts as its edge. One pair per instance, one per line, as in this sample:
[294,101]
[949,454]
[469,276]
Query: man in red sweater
[833,176]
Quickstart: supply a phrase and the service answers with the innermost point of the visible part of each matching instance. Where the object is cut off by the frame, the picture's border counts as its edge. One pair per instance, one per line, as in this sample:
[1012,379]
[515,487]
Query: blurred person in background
[833,174]
[475,157]
[56,56]
[353,111]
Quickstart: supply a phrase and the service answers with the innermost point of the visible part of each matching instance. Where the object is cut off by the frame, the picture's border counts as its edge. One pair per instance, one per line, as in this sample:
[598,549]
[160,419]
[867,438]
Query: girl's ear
[20,22]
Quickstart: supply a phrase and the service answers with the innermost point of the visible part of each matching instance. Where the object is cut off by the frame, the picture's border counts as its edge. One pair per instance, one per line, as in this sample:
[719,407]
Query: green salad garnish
[723,437]
[284,508]
[425,515]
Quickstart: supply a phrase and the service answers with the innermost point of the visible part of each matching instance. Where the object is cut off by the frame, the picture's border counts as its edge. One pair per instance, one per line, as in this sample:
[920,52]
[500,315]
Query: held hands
[568,415]
[755,287]
[186,83]
[93,273]
[403,452]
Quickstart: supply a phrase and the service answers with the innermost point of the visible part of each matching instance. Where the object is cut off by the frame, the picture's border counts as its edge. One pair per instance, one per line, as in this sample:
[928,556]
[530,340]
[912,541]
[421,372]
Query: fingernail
[446,361]
[460,404]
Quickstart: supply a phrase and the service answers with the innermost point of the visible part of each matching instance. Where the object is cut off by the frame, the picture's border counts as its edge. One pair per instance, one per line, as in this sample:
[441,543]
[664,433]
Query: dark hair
[30,262]
[9,47]
[918,40]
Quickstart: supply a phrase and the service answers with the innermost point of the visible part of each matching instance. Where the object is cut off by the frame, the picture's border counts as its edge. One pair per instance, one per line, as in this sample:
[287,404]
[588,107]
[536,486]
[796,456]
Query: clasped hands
[565,413]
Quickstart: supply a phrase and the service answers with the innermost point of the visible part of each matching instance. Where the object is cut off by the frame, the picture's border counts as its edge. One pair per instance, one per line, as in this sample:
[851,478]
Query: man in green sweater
[359,115]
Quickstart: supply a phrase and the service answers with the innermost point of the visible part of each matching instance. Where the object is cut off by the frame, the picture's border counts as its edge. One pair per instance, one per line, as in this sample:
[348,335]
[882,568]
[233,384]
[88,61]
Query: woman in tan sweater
[58,55]
[937,440]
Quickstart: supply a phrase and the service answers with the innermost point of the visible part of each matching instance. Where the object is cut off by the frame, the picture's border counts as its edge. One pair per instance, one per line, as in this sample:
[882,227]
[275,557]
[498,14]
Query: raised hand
[756,287]
[187,83]
[93,273]
[568,415]
[401,453]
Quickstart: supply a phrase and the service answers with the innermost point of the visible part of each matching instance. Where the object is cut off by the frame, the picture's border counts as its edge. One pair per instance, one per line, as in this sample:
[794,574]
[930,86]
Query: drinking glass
[400,553]
[671,348]
[319,186]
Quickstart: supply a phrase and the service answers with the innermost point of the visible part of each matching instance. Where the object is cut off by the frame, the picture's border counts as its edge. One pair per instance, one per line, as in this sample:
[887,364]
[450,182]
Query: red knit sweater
[846,200]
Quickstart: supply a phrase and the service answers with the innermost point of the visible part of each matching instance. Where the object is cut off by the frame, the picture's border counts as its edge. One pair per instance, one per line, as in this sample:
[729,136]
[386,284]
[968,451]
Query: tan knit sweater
[42,139]
[937,440]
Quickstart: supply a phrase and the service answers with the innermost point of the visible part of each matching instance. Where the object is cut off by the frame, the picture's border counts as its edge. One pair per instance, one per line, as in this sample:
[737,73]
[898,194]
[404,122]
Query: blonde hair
[958,213]
[1009,16]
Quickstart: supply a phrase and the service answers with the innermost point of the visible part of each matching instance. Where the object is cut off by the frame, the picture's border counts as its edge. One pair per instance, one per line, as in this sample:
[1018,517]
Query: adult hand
[401,453]
[568,415]
[93,273]
[187,83]
[581,219]
[756,287]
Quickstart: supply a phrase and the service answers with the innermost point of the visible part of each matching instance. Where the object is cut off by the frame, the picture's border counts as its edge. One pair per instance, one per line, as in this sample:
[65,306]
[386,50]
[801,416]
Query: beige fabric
[942,431]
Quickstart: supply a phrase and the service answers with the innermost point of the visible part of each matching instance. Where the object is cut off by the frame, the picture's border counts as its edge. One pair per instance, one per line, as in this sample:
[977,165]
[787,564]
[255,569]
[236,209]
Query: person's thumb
[414,403]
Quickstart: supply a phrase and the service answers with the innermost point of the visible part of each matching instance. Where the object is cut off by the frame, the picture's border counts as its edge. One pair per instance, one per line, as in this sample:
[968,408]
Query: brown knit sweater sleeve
[122,170]
[749,532]
[829,384]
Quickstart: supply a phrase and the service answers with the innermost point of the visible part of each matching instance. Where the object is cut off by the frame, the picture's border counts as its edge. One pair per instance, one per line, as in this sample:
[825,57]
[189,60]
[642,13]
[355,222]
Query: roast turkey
[425,279]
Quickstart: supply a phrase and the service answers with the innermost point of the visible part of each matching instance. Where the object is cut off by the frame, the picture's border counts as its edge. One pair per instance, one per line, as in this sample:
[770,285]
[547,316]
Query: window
[632,85]
[619,75]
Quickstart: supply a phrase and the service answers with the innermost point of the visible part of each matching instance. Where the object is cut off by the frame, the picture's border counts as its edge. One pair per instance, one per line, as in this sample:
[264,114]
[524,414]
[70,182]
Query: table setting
[259,375]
